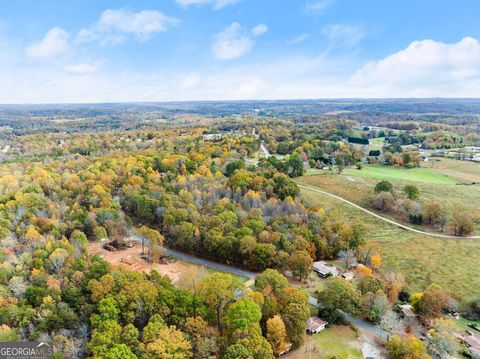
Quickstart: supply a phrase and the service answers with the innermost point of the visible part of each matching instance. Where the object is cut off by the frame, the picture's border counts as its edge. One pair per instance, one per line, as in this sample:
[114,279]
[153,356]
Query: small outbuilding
[315,325]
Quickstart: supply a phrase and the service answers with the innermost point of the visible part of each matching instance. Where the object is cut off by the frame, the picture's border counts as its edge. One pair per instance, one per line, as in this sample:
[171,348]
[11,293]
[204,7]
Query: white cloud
[191,80]
[425,68]
[81,68]
[298,39]
[259,29]
[115,24]
[250,89]
[234,41]
[343,35]
[318,6]
[53,44]
[217,4]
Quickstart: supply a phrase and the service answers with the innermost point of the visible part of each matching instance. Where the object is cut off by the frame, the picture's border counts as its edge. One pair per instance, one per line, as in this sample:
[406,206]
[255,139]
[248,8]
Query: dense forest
[65,184]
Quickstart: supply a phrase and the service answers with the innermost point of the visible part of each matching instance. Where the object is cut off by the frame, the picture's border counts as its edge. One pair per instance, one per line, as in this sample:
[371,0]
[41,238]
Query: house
[348,276]
[323,270]
[315,325]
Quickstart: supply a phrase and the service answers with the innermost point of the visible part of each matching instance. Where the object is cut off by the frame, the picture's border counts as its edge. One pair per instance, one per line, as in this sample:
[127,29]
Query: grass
[339,341]
[391,173]
[462,324]
[423,260]
[377,140]
[465,171]
[357,185]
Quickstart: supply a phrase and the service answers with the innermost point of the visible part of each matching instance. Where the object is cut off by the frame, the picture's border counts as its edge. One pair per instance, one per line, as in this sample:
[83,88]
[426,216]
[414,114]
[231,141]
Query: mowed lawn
[339,341]
[451,263]
[391,173]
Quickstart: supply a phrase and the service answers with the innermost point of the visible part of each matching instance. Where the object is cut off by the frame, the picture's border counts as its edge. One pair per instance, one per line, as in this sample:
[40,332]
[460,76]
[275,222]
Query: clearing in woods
[183,274]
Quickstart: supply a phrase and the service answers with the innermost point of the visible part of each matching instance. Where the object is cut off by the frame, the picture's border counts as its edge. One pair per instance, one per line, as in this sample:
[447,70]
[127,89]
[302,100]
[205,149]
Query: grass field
[464,171]
[357,185]
[339,341]
[423,260]
[391,173]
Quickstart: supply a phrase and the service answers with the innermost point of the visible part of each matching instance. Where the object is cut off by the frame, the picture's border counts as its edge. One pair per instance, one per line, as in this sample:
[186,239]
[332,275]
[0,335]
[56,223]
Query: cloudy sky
[161,50]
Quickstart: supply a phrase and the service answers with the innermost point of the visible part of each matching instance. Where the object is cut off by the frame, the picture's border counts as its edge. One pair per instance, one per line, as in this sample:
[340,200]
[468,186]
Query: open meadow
[451,263]
[446,183]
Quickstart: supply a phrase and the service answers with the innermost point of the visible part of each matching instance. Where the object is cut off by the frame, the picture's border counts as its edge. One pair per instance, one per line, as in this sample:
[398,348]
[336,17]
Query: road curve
[371,328]
[383,218]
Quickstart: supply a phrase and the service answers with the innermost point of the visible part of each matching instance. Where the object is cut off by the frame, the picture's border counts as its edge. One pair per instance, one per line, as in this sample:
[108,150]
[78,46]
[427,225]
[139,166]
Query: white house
[315,325]
[324,270]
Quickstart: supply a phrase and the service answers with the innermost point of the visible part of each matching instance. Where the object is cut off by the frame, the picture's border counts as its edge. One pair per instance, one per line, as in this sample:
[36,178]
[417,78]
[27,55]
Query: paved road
[372,329]
[209,264]
[313,189]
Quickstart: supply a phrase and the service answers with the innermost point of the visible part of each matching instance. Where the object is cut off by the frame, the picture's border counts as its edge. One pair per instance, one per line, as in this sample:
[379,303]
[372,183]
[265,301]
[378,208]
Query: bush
[333,317]
[383,186]
[472,309]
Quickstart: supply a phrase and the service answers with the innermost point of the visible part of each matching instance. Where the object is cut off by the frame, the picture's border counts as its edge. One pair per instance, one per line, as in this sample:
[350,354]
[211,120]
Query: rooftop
[314,323]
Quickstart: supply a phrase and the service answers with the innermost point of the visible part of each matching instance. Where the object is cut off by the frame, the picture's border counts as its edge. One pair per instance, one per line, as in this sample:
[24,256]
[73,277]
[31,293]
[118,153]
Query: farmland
[424,260]
[434,184]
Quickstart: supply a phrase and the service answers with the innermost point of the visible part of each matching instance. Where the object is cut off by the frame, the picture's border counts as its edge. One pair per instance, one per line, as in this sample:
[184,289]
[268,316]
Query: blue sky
[108,51]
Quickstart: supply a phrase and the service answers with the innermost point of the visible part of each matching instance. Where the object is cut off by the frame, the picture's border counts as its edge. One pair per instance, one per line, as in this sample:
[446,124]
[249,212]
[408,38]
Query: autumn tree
[435,214]
[411,191]
[462,223]
[408,347]
[300,263]
[170,343]
[294,309]
[244,316]
[340,294]
[217,290]
[370,284]
[394,282]
[277,335]
[433,303]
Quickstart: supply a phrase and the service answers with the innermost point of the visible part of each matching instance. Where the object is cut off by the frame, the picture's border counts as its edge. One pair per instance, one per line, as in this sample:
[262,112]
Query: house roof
[315,323]
[322,268]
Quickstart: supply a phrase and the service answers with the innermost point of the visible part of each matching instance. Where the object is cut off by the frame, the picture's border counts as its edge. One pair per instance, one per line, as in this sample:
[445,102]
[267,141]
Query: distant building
[315,325]
[324,270]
